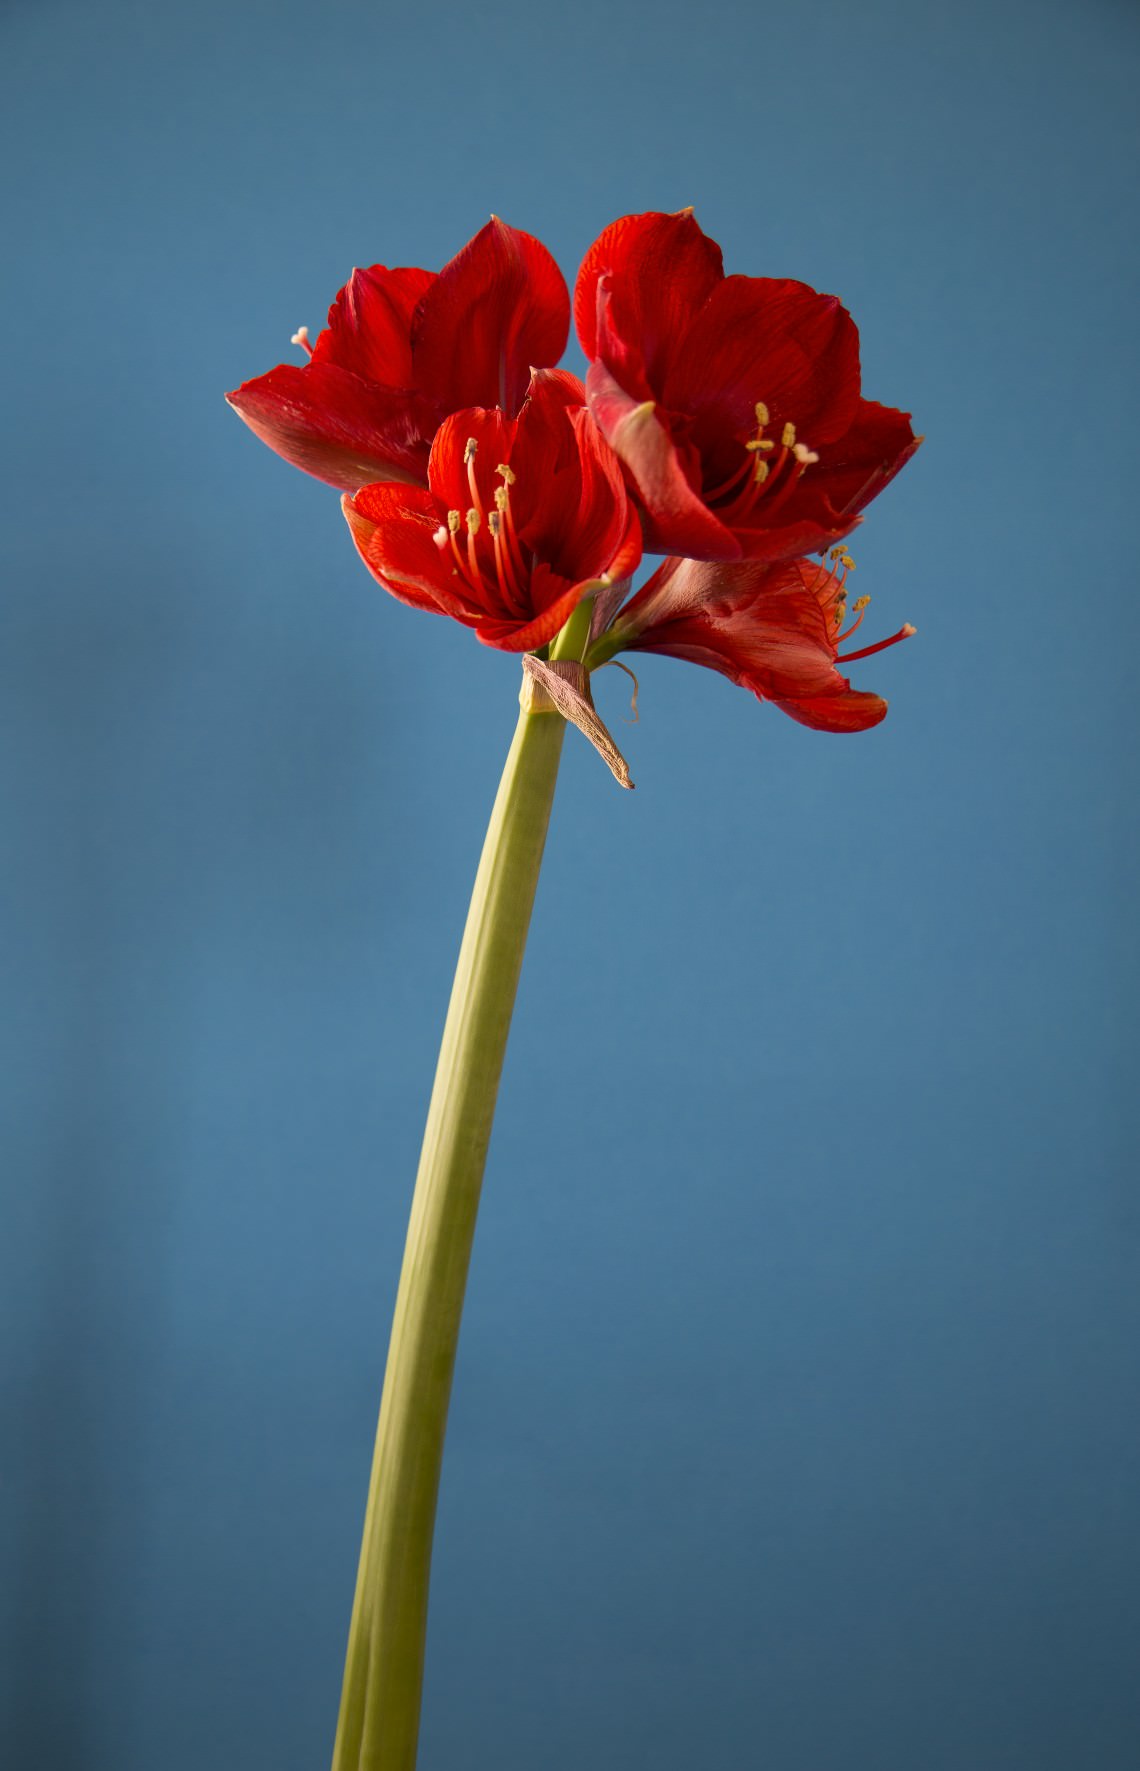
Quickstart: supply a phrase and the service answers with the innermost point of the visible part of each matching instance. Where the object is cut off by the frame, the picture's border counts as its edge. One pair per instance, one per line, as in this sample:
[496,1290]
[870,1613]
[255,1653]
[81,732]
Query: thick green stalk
[378,1725]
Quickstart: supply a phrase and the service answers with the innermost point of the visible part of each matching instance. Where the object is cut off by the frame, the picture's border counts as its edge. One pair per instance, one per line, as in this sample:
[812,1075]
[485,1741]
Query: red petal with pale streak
[393,528]
[447,469]
[761,626]
[508,636]
[677,519]
[499,306]
[855,469]
[336,426]
[761,338]
[666,267]
[370,324]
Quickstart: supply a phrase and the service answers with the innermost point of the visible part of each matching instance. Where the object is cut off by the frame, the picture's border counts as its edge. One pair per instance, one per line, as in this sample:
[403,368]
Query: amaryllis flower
[405,347]
[734,402]
[520,519]
[773,627]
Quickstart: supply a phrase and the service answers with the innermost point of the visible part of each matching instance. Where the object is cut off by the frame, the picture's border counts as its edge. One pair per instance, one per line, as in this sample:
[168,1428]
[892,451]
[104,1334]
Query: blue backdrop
[794,1422]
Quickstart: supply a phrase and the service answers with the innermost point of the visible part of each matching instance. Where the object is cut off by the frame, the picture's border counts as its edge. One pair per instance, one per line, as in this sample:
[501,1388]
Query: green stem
[378,1725]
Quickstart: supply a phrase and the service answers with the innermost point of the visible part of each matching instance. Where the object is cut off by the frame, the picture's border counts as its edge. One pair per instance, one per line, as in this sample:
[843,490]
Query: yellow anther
[761,471]
[473,521]
[469,449]
[760,443]
[453,521]
[495,524]
[502,497]
[505,473]
[859,604]
[763,416]
[788,436]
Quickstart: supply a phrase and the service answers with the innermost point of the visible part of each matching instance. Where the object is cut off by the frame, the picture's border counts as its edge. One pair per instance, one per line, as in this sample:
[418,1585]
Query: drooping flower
[734,402]
[404,348]
[521,518]
[773,627]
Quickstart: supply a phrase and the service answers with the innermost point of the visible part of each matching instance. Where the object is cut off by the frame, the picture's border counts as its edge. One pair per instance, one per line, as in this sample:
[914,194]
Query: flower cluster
[721,423]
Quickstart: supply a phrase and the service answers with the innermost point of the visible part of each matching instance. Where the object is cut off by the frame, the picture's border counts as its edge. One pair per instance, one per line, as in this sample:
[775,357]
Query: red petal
[666,268]
[509,636]
[792,540]
[677,519]
[499,306]
[762,626]
[759,338]
[569,499]
[621,343]
[337,427]
[628,556]
[370,324]
[855,469]
[448,478]
[557,385]
[393,528]
[853,710]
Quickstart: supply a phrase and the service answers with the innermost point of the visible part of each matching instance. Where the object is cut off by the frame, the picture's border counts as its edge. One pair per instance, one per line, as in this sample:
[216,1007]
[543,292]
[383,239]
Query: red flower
[521,518]
[402,349]
[734,402]
[774,628]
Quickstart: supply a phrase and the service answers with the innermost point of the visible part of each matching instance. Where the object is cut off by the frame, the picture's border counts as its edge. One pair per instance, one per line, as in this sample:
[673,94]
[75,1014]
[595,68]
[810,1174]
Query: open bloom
[405,347]
[520,519]
[734,402]
[774,628]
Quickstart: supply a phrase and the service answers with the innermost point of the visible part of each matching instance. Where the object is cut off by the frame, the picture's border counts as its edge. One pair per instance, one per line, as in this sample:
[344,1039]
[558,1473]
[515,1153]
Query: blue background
[794,1423]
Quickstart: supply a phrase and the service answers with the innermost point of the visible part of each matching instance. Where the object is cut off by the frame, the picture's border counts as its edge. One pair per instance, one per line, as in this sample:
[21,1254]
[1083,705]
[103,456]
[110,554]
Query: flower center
[769,472]
[492,555]
[830,587]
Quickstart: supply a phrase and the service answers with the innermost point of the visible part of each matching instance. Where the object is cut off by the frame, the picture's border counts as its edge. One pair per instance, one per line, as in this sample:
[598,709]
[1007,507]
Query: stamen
[858,609]
[469,462]
[763,416]
[788,436]
[474,519]
[301,337]
[454,523]
[503,503]
[760,473]
[905,632]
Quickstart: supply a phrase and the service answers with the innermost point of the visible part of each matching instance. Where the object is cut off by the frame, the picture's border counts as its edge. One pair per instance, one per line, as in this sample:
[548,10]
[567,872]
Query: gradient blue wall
[795,1416]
